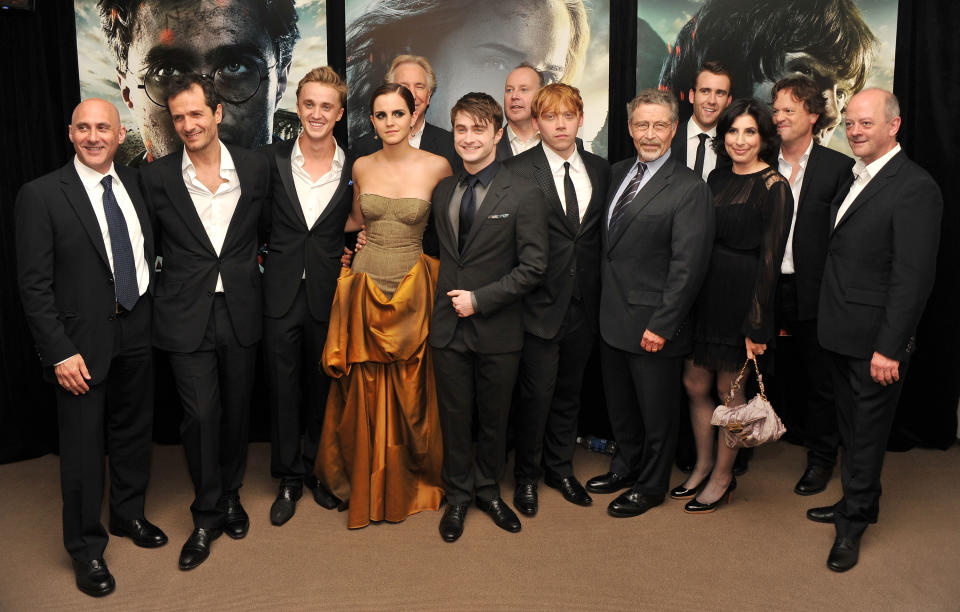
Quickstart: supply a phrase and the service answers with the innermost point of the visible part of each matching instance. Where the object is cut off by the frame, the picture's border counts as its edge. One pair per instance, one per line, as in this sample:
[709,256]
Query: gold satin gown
[381,446]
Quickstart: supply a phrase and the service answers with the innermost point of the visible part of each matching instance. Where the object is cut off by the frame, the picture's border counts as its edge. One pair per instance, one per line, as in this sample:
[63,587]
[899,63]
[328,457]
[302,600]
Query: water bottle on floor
[597,445]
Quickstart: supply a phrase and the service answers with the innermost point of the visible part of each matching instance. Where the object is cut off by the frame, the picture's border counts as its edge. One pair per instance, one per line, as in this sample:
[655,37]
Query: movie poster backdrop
[844,45]
[255,50]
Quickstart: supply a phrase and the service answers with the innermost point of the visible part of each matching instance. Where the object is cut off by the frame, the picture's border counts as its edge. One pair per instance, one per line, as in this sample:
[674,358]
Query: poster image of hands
[843,45]
[254,50]
[473,46]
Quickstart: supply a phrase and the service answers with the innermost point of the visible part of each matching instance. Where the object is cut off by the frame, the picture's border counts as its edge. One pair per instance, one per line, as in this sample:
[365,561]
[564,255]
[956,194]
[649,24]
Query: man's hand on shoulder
[884,370]
[72,375]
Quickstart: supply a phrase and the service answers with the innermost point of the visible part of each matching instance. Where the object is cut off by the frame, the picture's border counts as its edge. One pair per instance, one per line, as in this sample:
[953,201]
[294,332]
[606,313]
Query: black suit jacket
[574,256]
[186,284]
[504,258]
[826,172]
[66,283]
[294,248]
[435,139]
[678,148]
[654,261]
[880,265]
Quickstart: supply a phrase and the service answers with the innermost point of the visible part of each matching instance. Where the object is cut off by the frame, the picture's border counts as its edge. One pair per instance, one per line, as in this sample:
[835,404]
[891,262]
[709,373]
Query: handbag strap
[736,383]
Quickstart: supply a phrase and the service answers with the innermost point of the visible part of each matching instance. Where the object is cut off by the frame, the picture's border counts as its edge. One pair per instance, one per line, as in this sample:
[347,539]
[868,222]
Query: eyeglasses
[659,127]
[236,82]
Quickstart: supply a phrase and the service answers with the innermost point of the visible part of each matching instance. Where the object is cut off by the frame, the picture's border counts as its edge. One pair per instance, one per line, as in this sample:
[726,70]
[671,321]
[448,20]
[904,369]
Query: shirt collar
[484,176]
[803,158]
[226,161]
[339,157]
[89,177]
[654,165]
[876,165]
[419,132]
[556,162]
[512,136]
[693,130]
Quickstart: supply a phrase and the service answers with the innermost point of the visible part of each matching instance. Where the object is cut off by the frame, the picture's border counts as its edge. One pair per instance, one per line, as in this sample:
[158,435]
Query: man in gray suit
[656,241]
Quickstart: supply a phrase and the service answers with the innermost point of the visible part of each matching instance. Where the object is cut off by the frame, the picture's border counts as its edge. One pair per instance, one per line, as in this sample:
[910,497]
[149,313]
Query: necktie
[124,269]
[468,209]
[628,195]
[701,153]
[570,195]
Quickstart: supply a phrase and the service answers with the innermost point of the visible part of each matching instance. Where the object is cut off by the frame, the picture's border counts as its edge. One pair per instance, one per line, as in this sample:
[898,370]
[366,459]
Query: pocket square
[500,216]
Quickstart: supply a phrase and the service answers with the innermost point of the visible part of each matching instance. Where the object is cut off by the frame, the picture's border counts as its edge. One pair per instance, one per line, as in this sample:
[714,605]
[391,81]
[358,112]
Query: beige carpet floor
[759,553]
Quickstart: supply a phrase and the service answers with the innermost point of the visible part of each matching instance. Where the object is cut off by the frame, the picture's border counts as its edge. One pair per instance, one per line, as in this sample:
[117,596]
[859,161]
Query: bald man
[84,255]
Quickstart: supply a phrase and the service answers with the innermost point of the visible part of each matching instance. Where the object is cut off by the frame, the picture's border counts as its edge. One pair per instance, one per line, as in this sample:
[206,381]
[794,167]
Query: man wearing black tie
[882,252]
[709,95]
[85,249]
[492,234]
[310,179]
[560,317]
[657,236]
[816,175]
[207,200]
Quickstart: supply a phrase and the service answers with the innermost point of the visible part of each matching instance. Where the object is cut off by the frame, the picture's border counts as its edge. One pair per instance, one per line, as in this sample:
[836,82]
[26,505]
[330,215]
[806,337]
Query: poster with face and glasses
[254,50]
[473,46]
[842,45]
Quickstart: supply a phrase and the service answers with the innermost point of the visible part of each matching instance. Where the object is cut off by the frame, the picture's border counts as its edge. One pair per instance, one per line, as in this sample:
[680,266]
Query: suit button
[459,266]
[110,279]
[210,293]
[573,271]
[112,318]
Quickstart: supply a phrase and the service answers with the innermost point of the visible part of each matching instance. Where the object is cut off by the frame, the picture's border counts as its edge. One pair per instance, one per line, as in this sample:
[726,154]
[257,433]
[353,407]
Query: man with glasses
[245,46]
[657,234]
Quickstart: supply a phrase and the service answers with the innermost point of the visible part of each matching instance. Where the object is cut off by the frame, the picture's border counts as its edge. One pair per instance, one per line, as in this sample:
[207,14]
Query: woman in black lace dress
[733,316]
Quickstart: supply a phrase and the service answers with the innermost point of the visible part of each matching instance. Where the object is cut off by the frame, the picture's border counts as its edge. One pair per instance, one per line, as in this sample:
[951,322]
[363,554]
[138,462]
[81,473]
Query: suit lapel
[284,160]
[876,184]
[592,214]
[616,178]
[133,190]
[808,173]
[246,177]
[441,214]
[76,195]
[643,198]
[544,178]
[498,188]
[180,198]
[344,184]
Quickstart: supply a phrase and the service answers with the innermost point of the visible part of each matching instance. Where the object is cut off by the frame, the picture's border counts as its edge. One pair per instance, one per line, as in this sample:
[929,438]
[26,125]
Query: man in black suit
[206,202]
[560,317]
[881,256]
[416,74]
[709,95]
[310,179]
[657,236]
[520,132]
[84,255]
[816,174]
[492,234]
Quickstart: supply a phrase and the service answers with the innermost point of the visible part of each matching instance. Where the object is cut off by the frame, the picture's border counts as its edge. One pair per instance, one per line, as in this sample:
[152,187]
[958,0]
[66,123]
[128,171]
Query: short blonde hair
[556,96]
[325,75]
[419,60]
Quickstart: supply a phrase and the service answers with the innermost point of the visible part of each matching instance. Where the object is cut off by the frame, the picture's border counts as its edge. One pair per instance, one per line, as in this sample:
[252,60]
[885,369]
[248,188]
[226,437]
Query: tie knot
[566,166]
[470,180]
[702,136]
[107,182]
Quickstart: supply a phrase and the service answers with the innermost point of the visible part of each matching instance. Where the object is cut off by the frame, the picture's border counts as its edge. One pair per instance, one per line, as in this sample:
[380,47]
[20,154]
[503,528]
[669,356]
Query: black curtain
[41,87]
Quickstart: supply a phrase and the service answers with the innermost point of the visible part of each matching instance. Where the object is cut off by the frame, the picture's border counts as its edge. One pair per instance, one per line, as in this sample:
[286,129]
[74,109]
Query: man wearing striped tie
[84,255]
[657,233]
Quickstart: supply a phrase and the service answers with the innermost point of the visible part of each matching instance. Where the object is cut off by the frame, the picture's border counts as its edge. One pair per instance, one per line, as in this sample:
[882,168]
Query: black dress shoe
[502,515]
[286,504]
[742,463]
[322,495]
[682,492]
[525,498]
[197,547]
[685,466]
[93,577]
[236,523]
[814,480]
[698,507]
[570,487]
[451,525]
[823,514]
[610,482]
[141,531]
[844,554]
[632,503]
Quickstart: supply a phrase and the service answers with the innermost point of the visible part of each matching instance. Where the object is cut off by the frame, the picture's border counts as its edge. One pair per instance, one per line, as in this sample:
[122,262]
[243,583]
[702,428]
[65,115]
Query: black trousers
[122,408]
[550,379]
[805,381]
[642,399]
[214,383]
[473,384]
[297,389]
[865,411]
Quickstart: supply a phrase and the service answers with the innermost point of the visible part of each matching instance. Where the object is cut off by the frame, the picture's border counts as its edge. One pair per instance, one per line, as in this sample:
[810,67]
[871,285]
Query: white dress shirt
[417,136]
[315,195]
[864,174]
[90,179]
[518,145]
[578,174]
[786,169]
[214,208]
[693,141]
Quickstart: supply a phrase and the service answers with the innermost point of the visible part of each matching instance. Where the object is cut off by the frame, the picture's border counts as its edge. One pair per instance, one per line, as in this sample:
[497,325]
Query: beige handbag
[749,424]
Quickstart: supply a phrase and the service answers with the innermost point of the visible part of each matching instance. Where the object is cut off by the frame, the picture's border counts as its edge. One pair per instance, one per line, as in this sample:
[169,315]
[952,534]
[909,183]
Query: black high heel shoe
[695,507]
[681,492]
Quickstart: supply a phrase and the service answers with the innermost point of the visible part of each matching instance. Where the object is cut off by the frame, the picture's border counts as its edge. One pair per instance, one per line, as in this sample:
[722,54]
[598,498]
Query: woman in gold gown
[381,446]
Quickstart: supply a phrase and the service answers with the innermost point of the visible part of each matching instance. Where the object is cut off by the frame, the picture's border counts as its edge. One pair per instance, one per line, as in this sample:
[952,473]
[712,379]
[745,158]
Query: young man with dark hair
[492,236]
[708,96]
[207,200]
